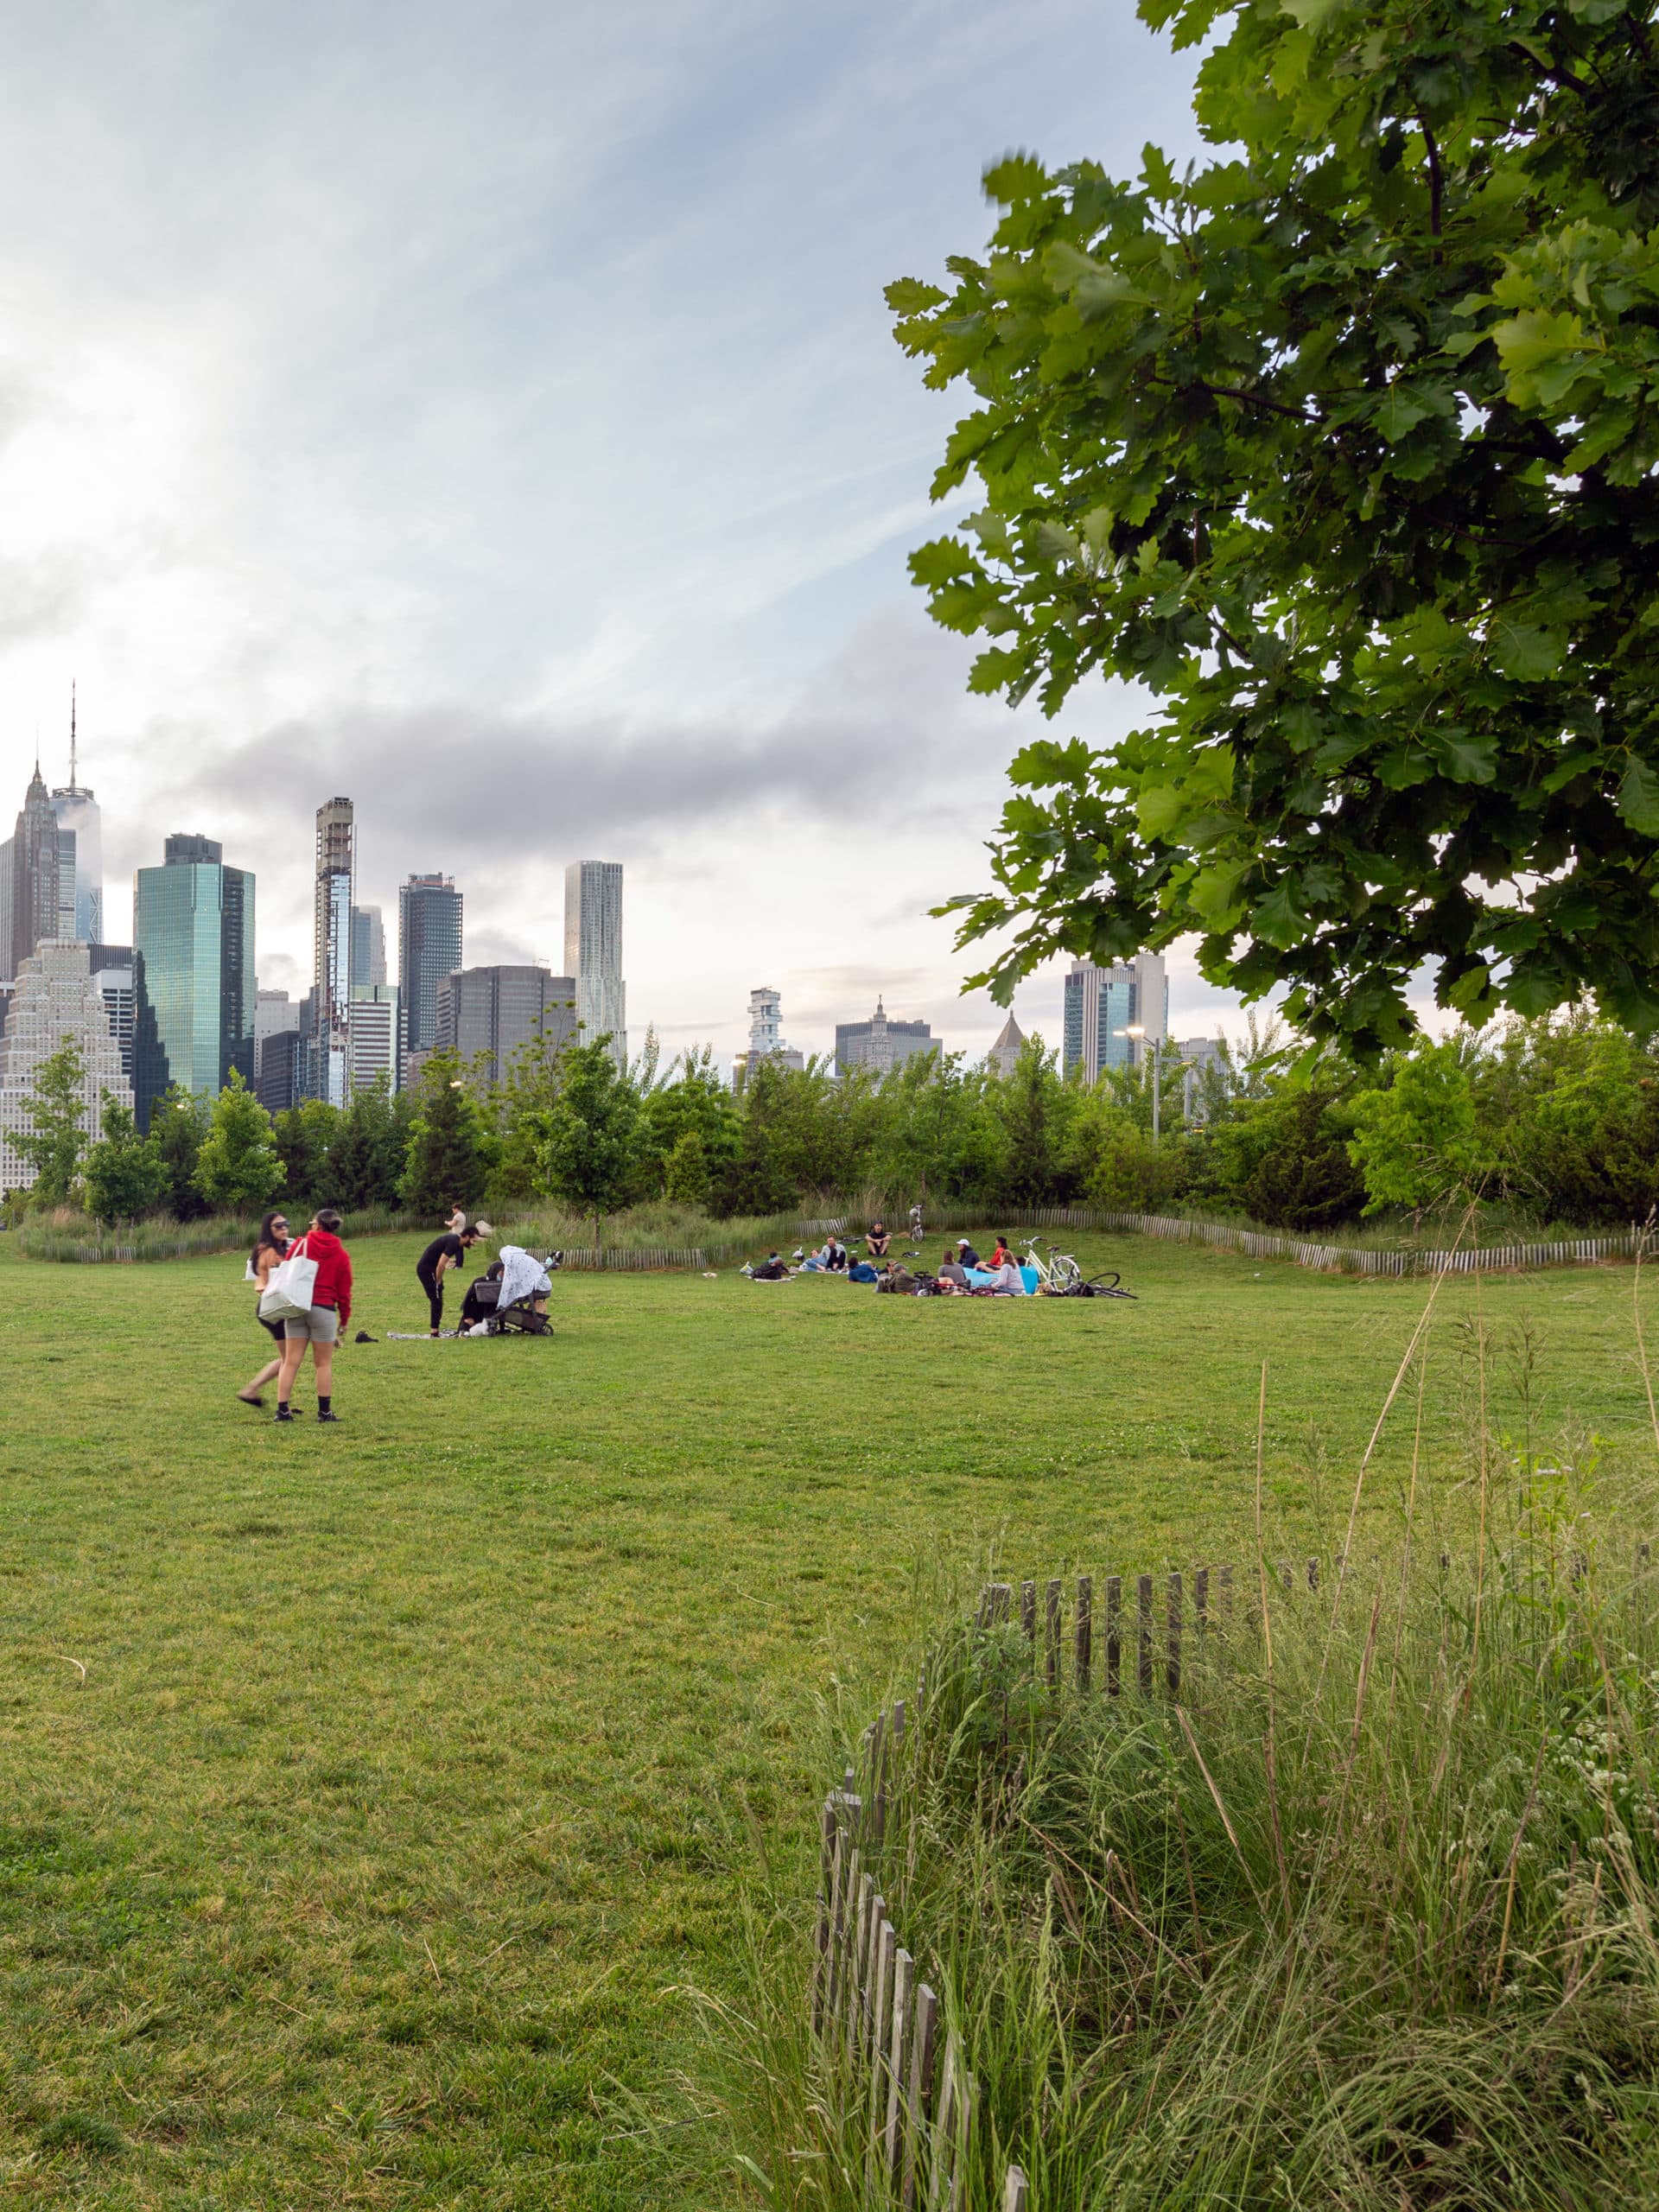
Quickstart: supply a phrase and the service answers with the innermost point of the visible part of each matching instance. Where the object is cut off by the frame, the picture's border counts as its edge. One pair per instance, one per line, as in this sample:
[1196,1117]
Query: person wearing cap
[440,1254]
[966,1255]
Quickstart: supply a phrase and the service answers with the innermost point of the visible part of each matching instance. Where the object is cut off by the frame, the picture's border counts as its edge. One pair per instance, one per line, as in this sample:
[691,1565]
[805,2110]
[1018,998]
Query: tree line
[1558,1118]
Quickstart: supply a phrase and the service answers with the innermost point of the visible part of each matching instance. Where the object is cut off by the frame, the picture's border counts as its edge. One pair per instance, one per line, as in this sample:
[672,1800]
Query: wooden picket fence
[911,2105]
[906,2104]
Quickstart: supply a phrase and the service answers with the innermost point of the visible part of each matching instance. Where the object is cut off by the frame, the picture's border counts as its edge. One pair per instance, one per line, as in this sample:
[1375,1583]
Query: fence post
[883,2029]
[1015,2196]
[1201,1599]
[890,2121]
[1085,1630]
[1143,1609]
[1113,1647]
[1052,1655]
[921,2086]
[1028,1615]
[1174,1669]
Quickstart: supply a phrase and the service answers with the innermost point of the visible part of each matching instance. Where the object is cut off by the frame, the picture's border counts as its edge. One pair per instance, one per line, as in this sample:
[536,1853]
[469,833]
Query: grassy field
[370,1796]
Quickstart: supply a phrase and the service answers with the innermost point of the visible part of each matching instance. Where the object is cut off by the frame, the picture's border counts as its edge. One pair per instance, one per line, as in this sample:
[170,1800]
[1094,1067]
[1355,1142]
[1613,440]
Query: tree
[56,1110]
[178,1129]
[450,1147]
[1343,446]
[588,1157]
[306,1136]
[1284,1158]
[237,1169]
[693,1105]
[1033,1108]
[124,1175]
[366,1158]
[686,1179]
[1418,1141]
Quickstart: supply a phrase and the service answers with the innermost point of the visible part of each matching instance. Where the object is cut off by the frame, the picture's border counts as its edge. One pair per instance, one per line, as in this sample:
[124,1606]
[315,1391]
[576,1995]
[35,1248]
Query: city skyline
[363,519]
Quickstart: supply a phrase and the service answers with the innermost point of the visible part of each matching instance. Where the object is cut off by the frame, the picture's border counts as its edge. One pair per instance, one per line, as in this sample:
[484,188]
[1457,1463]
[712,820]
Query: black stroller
[483,1312]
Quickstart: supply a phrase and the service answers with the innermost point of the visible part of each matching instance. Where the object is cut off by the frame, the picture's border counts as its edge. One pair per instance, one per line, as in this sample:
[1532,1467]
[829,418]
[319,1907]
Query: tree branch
[1436,180]
[1259,399]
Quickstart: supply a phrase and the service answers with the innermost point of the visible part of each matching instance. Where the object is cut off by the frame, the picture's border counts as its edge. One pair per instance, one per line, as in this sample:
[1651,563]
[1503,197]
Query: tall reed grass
[1368,1915]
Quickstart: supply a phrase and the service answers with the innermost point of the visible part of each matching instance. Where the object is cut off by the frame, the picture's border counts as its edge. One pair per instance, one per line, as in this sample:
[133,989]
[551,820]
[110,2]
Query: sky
[490,413]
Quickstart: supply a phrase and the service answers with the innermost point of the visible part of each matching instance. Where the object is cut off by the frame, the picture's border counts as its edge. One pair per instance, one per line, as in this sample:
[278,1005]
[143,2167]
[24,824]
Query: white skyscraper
[56,999]
[593,952]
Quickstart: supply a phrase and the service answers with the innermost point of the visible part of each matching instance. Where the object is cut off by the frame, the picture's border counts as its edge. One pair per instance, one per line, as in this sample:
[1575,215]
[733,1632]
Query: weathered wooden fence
[896,2073]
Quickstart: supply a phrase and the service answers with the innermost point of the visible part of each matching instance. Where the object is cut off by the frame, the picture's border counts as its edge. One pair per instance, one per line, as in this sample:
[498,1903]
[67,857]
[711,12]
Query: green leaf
[1638,799]
[1538,335]
[1528,654]
[1398,411]
[1466,756]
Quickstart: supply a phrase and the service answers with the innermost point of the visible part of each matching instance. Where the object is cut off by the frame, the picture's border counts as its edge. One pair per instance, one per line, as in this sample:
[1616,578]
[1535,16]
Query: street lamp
[1139,1029]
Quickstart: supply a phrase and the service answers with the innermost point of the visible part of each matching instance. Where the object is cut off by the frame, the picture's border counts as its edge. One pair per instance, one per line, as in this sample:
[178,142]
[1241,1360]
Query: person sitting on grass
[772,1269]
[1007,1281]
[953,1277]
[331,1309]
[966,1255]
[877,1239]
[1003,1254]
[834,1255]
[861,1271]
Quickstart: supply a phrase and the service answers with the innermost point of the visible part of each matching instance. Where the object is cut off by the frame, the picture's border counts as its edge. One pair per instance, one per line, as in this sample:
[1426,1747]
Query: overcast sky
[489,412]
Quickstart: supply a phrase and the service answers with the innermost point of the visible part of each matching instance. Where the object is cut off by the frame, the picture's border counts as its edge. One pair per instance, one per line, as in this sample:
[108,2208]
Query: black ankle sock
[323,1404]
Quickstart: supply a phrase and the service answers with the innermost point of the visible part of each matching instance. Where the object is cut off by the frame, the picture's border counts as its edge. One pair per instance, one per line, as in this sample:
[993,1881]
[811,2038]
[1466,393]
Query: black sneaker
[329,1416]
[282,1412]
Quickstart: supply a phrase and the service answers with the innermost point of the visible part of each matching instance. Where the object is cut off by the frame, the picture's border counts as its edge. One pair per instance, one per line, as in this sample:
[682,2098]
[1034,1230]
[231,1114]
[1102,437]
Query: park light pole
[1139,1029]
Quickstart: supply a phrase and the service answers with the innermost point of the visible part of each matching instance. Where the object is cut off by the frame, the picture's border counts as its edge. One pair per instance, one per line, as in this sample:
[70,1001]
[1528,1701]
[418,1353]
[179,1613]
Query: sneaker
[282,1412]
[250,1399]
[329,1416]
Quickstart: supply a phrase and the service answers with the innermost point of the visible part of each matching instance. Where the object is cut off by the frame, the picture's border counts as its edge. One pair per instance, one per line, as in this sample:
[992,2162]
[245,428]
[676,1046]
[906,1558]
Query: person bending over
[877,1241]
[861,1271]
[773,1268]
[331,1309]
[440,1254]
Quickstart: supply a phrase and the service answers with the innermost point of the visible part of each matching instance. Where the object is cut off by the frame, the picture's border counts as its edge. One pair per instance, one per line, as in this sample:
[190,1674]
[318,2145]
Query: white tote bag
[288,1290]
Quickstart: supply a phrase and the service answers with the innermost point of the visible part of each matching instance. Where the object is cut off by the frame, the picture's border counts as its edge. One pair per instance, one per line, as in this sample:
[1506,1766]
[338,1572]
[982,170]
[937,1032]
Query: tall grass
[1368,1917]
[64,1234]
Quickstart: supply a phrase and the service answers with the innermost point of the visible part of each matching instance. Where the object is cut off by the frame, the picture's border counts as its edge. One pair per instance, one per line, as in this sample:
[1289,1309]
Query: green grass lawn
[369,1795]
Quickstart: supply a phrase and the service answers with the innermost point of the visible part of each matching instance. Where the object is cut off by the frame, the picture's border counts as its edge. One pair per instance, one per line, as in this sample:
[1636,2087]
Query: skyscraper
[55,1000]
[765,1037]
[368,948]
[335,889]
[429,948]
[1103,1004]
[499,1011]
[880,1043]
[374,1028]
[193,929]
[80,852]
[112,976]
[29,875]
[593,952]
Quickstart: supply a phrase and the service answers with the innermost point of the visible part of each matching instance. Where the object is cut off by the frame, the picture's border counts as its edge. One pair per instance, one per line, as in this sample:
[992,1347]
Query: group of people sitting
[961,1272]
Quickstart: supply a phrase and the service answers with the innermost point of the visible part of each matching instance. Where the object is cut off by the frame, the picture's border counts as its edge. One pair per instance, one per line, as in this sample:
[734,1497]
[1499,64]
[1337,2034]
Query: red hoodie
[334,1284]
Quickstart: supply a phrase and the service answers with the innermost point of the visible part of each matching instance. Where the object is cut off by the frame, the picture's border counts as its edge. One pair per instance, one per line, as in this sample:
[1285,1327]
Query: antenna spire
[72,778]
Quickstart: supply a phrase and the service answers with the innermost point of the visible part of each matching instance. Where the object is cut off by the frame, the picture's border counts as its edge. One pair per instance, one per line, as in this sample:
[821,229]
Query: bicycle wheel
[1101,1286]
[1063,1274]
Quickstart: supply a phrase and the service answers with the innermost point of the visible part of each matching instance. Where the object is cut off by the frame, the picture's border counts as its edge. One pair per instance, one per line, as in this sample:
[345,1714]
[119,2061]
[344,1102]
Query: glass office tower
[593,952]
[429,948]
[194,984]
[1101,1004]
[336,886]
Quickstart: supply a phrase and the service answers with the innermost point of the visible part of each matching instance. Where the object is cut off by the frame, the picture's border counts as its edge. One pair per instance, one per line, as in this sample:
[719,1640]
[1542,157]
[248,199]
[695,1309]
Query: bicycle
[1061,1276]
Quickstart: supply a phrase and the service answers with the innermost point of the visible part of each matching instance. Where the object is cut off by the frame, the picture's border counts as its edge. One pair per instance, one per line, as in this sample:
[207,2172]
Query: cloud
[882,734]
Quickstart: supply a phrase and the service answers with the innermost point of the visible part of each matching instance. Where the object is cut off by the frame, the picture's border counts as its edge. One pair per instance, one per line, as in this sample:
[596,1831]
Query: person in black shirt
[440,1254]
[966,1255]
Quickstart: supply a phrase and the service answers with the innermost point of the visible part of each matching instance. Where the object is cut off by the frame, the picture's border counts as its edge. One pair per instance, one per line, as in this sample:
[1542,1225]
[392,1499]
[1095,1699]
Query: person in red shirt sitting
[331,1309]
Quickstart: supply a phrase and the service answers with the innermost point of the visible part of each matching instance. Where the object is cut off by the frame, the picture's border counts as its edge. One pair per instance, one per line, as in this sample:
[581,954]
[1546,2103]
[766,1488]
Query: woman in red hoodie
[331,1309]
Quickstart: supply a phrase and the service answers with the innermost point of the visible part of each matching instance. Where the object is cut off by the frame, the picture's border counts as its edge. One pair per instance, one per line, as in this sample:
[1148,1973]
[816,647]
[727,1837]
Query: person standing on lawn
[270,1248]
[440,1254]
[331,1309]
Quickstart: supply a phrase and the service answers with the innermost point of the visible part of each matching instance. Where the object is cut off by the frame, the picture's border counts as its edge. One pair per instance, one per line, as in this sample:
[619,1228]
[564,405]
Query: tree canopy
[1343,446]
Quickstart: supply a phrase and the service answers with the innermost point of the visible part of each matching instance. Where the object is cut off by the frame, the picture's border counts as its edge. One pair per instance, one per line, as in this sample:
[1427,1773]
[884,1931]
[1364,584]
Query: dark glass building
[498,1011]
[193,986]
[429,948]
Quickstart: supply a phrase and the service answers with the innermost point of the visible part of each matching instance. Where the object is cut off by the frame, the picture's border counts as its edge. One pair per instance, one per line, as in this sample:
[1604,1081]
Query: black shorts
[275,1327]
